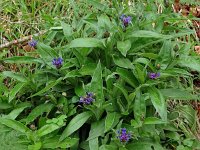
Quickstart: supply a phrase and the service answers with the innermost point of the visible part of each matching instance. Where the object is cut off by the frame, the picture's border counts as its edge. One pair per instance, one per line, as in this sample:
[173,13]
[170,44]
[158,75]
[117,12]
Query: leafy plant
[104,80]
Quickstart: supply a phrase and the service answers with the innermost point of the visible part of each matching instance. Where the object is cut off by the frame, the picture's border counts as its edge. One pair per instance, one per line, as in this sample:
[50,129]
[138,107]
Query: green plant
[95,74]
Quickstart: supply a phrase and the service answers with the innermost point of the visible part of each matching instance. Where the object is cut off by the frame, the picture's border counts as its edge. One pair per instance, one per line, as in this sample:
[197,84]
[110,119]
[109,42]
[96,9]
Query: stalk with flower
[57,62]
[126,20]
[123,135]
[88,99]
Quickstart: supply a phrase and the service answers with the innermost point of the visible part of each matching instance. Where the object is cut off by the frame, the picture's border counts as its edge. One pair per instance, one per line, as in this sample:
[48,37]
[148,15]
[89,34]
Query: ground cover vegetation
[101,75]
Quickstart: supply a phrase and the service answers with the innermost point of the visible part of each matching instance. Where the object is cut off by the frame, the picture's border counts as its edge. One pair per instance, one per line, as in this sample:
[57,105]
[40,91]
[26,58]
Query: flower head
[125,20]
[88,99]
[57,62]
[124,136]
[32,43]
[153,75]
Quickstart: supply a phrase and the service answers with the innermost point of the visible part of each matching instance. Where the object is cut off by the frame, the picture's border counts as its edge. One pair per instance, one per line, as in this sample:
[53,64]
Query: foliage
[40,106]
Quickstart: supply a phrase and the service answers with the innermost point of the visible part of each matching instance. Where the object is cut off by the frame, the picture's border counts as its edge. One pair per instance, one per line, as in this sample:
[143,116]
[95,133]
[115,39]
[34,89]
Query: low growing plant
[109,79]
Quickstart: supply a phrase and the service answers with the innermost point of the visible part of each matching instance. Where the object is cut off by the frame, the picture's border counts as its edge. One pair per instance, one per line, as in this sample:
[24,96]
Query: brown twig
[26,38]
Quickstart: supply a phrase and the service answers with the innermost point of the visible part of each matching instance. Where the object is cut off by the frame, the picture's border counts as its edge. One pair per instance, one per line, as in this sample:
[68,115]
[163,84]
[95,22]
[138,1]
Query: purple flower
[57,62]
[124,136]
[89,94]
[153,75]
[125,20]
[88,99]
[32,43]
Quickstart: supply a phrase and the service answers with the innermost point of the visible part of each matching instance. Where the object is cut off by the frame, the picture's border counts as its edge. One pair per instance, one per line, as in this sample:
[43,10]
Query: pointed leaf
[37,111]
[97,85]
[75,124]
[16,125]
[97,129]
[158,102]
[123,62]
[46,129]
[22,59]
[49,86]
[86,42]
[16,76]
[124,46]
[15,90]
[94,144]
[67,29]
[190,62]
[179,94]
[111,121]
[14,113]
[53,143]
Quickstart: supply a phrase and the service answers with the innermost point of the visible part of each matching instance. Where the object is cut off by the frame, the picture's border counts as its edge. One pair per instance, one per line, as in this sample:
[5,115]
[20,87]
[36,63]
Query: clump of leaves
[113,69]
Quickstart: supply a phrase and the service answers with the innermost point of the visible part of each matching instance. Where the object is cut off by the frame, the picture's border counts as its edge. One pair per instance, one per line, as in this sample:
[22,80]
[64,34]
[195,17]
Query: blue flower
[32,43]
[57,62]
[126,20]
[88,99]
[124,136]
[153,75]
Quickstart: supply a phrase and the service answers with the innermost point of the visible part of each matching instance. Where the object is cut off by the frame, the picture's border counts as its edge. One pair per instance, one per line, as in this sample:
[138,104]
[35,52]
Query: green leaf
[22,59]
[123,90]
[147,34]
[16,125]
[148,55]
[72,74]
[179,94]
[153,120]
[173,135]
[97,129]
[161,38]
[46,129]
[79,90]
[139,73]
[144,145]
[87,69]
[4,105]
[139,106]
[49,86]
[144,61]
[86,42]
[94,144]
[177,72]
[16,76]
[50,37]
[98,5]
[124,46]
[53,143]
[97,85]
[165,54]
[37,111]
[190,62]
[104,22]
[189,114]
[75,124]
[128,77]
[15,90]
[67,29]
[151,34]
[14,113]
[36,146]
[111,121]
[158,102]
[46,52]
[108,147]
[11,139]
[123,62]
